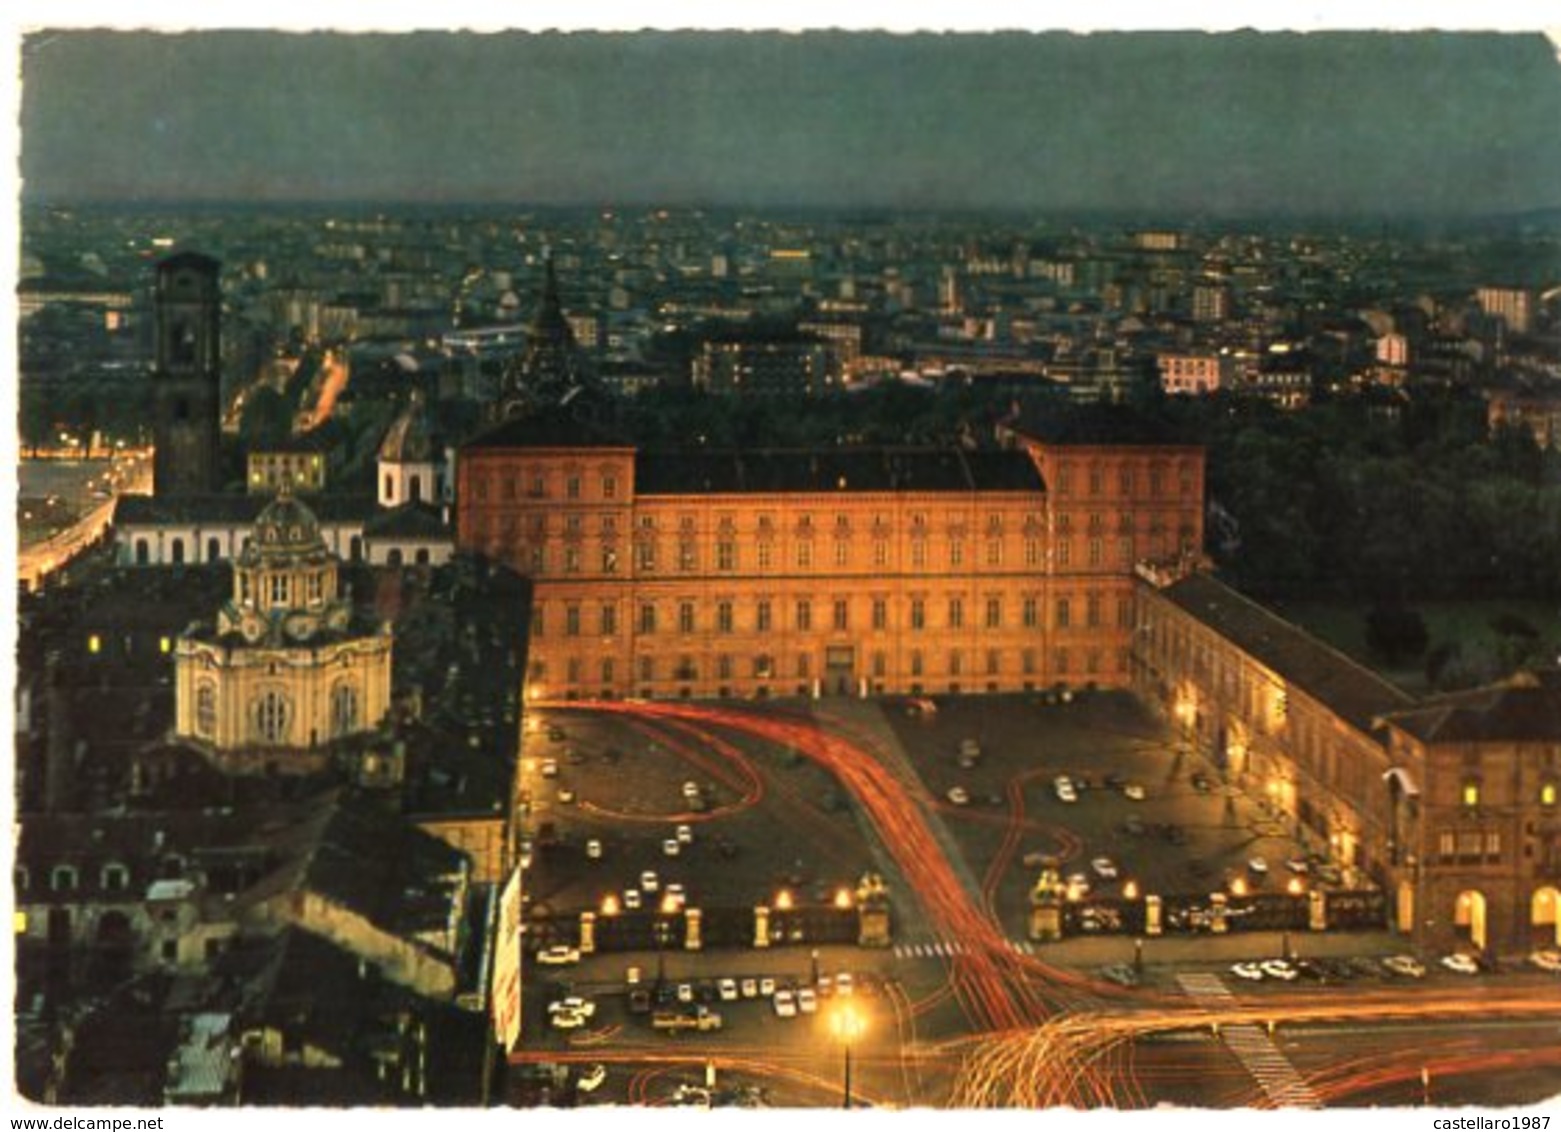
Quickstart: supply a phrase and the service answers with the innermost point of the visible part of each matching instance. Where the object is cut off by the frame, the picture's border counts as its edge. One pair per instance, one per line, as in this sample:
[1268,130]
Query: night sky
[1243,123]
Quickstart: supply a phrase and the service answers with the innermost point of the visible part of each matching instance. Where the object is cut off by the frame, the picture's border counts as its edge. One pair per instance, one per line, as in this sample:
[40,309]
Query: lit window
[1471,793]
[1547,794]
[94,644]
[271,717]
[206,709]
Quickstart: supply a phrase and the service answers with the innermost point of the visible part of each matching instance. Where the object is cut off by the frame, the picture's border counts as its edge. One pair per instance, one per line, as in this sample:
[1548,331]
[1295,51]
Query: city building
[1448,806]
[853,571]
[287,667]
[186,376]
[1477,776]
[1190,373]
[1536,410]
[551,364]
[755,363]
[1513,305]
[299,462]
[413,461]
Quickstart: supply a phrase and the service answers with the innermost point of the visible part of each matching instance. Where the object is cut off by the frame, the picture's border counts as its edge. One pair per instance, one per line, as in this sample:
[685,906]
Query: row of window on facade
[271,713]
[989,615]
[281,590]
[536,485]
[573,559]
[1096,476]
[112,877]
[957,528]
[1471,794]
[959,662]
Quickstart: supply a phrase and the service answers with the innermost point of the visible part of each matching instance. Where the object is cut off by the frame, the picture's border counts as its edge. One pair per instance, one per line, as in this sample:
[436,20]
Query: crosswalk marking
[940,948]
[1256,1051]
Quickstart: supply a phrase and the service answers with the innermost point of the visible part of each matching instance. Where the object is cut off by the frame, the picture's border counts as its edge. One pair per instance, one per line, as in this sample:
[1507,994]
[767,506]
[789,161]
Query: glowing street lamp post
[848,1024]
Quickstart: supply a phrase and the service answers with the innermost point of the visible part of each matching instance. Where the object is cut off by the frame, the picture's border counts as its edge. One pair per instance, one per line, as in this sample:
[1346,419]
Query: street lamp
[848,1024]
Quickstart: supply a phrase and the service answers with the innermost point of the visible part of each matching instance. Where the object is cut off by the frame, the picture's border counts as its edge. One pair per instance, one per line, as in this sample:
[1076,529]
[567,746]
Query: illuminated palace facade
[829,572]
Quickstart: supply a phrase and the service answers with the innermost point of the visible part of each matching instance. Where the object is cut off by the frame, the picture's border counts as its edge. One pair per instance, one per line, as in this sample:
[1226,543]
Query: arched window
[390,488]
[115,878]
[416,494]
[394,557]
[178,551]
[213,549]
[344,710]
[143,552]
[206,709]
[272,717]
[63,878]
[355,549]
[422,557]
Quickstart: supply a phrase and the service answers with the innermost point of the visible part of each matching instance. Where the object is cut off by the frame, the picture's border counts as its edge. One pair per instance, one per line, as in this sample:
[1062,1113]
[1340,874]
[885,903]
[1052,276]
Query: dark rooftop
[231,508]
[1353,691]
[1523,709]
[556,427]
[829,470]
[409,521]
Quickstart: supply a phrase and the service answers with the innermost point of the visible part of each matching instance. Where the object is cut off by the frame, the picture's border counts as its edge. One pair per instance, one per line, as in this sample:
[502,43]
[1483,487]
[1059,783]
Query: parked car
[1251,971]
[1461,964]
[1065,791]
[1258,866]
[684,834]
[1105,868]
[1546,959]
[558,955]
[691,790]
[1134,792]
[631,900]
[959,796]
[567,1020]
[766,988]
[750,988]
[549,768]
[1405,965]
[727,989]
[785,1004]
[566,795]
[844,984]
[592,1079]
[685,992]
[574,1004]
[672,847]
[1280,969]
[1298,865]
[807,1001]
[649,881]
[593,849]
[1120,973]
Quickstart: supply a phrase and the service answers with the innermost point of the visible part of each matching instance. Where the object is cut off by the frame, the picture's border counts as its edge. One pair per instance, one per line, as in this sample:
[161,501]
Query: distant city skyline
[1164,123]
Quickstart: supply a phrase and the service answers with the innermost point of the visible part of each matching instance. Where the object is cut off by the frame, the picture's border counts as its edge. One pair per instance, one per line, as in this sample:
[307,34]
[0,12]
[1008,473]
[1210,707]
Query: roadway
[965,1014]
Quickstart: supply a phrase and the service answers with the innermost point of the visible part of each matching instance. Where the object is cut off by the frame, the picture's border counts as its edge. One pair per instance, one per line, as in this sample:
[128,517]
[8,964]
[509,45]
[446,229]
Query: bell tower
[186,375]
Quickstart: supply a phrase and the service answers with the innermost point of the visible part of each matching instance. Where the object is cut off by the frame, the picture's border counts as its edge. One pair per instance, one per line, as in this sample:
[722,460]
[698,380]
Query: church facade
[285,669]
